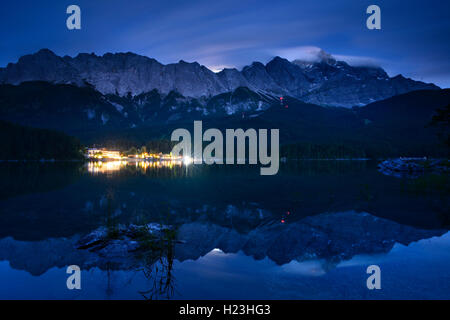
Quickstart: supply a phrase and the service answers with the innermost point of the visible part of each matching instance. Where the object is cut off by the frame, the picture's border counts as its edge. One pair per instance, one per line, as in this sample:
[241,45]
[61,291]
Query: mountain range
[326,81]
[316,237]
[121,100]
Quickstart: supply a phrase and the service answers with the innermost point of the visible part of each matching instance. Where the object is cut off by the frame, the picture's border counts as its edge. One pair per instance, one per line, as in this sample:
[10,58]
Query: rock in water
[122,239]
[412,167]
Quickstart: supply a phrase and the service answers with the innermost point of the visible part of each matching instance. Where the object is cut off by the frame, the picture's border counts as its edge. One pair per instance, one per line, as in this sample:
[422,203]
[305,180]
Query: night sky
[414,39]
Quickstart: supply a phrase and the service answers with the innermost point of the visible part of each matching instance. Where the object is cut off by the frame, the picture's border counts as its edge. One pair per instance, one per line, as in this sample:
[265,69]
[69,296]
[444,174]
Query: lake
[309,232]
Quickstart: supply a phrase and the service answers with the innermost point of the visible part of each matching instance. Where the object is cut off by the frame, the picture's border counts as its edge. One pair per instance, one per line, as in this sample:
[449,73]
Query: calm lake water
[309,232]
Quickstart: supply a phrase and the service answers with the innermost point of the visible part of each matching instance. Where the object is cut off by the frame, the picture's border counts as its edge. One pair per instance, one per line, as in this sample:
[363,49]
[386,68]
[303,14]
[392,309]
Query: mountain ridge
[394,126]
[325,82]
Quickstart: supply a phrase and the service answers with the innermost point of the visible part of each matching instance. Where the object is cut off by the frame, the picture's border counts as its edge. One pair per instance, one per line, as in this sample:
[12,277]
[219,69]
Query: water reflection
[307,221]
[108,167]
[159,275]
[416,271]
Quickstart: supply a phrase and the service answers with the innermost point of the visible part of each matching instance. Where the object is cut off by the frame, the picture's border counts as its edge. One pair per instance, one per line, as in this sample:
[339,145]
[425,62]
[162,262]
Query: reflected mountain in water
[330,236]
[318,212]
[41,201]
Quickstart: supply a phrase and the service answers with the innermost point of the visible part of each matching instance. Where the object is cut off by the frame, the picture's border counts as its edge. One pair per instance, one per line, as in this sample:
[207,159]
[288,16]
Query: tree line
[24,143]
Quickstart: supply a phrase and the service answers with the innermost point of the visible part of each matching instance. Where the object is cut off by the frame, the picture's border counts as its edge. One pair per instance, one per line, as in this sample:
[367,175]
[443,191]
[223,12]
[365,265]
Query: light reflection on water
[308,232]
[105,167]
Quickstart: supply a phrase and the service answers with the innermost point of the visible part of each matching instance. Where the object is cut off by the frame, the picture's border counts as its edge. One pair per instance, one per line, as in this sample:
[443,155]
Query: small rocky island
[413,167]
[123,240]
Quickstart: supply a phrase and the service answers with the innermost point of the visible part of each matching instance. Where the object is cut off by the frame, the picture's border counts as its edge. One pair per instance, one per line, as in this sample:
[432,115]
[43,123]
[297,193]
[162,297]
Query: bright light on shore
[187,160]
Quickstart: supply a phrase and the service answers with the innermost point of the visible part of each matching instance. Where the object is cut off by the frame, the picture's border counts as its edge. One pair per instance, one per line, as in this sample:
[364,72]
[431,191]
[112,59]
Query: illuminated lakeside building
[94,153]
[104,154]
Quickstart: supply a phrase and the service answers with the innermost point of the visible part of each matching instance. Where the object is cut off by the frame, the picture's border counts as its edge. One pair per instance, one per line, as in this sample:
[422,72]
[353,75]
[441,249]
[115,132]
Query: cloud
[304,53]
[313,54]
[218,68]
[359,60]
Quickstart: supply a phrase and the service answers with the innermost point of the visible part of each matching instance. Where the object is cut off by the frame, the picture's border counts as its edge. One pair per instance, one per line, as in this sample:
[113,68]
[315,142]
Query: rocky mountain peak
[325,57]
[322,80]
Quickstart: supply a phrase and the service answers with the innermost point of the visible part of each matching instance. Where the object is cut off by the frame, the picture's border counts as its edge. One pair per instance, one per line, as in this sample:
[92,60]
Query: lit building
[95,153]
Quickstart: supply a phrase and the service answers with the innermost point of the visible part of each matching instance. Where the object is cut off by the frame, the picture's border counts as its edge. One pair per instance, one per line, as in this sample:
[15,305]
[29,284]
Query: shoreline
[282,159]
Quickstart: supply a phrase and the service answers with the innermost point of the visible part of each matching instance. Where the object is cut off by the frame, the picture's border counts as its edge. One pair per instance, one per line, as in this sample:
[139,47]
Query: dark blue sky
[414,39]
